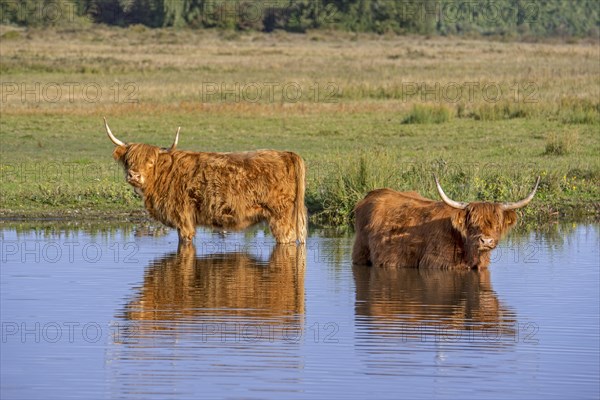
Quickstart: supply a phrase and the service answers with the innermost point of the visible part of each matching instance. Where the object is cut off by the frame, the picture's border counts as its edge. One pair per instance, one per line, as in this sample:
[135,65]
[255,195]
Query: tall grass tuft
[332,199]
[579,111]
[503,110]
[559,145]
[428,114]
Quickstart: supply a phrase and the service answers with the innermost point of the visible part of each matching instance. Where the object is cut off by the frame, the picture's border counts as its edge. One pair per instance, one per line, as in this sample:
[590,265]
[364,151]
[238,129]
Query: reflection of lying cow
[398,301]
[183,286]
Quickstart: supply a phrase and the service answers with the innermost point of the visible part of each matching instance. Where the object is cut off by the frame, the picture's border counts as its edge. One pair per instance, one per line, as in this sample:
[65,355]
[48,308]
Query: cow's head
[138,160]
[482,224]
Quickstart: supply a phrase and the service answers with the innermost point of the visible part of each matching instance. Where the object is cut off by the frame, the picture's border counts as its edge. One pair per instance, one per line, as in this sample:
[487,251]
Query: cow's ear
[459,221]
[510,218]
[119,152]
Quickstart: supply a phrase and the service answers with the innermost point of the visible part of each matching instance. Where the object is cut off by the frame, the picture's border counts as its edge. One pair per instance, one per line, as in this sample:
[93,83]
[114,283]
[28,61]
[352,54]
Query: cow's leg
[186,249]
[186,233]
[283,229]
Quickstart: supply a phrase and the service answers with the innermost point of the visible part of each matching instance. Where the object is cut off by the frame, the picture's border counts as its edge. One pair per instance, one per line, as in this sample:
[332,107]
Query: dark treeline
[539,18]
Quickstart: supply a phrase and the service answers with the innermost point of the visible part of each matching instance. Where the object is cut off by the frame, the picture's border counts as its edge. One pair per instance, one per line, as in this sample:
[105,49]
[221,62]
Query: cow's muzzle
[487,243]
[134,178]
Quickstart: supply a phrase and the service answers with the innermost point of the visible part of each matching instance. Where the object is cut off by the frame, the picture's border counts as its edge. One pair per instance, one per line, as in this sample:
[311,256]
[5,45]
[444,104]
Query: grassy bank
[364,112]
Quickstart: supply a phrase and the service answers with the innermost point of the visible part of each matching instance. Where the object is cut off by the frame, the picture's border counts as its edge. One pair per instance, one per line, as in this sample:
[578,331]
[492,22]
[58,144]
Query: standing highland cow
[404,229]
[230,191]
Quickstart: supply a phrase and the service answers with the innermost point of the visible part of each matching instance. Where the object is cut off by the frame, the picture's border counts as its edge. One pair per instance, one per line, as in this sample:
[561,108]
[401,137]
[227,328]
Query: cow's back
[389,220]
[385,207]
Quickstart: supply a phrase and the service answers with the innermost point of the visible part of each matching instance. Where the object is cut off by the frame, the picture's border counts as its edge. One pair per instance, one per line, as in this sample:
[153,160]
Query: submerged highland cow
[229,191]
[404,229]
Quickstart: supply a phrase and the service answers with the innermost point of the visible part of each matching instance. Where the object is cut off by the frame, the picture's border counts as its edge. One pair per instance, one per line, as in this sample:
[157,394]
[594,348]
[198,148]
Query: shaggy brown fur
[229,191]
[404,229]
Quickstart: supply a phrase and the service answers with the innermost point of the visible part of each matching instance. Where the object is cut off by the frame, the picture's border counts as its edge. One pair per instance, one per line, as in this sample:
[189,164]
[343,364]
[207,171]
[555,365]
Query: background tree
[485,17]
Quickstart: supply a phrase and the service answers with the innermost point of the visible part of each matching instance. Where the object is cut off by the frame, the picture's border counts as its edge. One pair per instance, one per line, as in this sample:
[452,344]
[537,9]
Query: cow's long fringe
[300,208]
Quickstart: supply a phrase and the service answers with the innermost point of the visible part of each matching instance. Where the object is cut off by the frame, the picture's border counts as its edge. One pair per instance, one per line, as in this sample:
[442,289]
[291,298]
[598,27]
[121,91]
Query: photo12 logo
[129,332]
[59,171]
[68,92]
[52,332]
[44,12]
[269,92]
[469,92]
[465,11]
[244,11]
[52,252]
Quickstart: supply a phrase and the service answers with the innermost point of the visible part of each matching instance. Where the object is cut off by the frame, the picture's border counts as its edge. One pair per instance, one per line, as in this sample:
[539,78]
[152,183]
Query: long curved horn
[174,145]
[111,136]
[524,202]
[448,200]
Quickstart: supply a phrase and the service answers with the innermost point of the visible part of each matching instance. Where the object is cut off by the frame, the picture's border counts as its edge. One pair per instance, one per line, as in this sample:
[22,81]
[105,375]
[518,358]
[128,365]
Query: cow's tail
[300,208]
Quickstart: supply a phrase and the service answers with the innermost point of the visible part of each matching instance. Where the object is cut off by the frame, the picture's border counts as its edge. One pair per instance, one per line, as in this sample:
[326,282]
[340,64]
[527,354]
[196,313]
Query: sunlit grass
[373,111]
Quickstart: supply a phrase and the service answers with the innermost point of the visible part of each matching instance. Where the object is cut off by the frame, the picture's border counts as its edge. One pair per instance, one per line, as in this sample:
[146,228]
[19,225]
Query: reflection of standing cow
[402,298]
[231,191]
[183,285]
[404,229]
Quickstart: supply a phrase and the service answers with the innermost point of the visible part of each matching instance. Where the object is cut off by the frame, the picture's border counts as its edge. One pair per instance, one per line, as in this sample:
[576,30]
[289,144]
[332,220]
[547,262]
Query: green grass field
[364,111]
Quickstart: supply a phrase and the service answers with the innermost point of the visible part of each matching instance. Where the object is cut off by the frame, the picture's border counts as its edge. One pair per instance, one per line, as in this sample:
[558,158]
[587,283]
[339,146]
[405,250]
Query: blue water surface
[120,313]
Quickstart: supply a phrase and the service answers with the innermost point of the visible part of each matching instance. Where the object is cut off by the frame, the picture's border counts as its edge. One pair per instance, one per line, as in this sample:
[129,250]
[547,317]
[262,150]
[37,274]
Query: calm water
[122,314]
